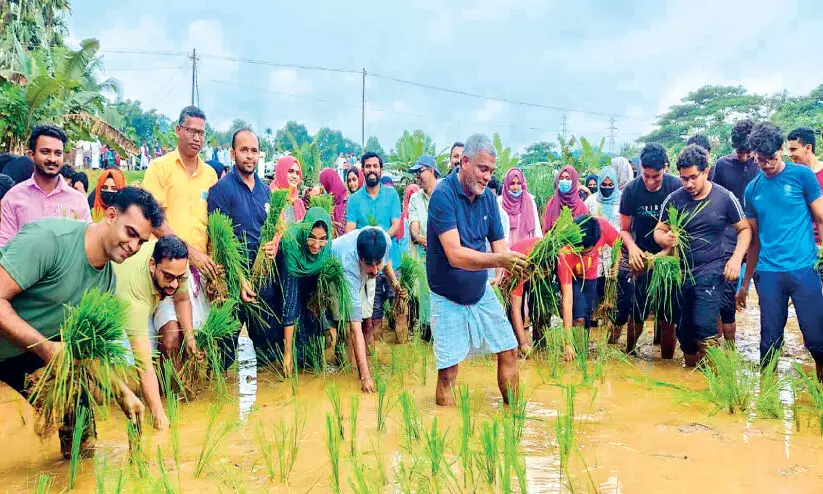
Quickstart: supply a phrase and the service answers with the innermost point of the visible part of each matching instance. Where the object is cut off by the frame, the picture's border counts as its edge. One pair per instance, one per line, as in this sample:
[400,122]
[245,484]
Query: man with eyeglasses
[710,209]
[782,204]
[154,282]
[180,182]
[426,175]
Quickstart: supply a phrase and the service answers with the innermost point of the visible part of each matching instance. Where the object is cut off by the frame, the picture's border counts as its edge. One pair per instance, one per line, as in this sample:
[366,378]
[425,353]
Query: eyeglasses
[767,160]
[168,278]
[320,242]
[193,132]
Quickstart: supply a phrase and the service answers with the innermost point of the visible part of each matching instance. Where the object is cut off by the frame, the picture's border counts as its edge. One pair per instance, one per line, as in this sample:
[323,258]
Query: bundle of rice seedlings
[92,357]
[610,288]
[264,268]
[332,294]
[323,201]
[412,271]
[221,325]
[229,252]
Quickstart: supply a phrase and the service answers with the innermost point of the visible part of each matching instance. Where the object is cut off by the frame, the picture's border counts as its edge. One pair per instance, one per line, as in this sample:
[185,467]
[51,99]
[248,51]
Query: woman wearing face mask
[108,184]
[565,196]
[288,174]
[519,206]
[606,204]
[591,183]
[354,179]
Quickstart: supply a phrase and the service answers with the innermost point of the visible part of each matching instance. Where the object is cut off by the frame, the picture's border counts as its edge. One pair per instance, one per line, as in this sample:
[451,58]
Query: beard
[372,179]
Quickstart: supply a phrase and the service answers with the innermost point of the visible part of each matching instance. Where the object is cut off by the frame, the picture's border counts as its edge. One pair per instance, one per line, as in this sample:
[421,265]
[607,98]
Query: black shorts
[728,311]
[633,298]
[697,308]
[584,299]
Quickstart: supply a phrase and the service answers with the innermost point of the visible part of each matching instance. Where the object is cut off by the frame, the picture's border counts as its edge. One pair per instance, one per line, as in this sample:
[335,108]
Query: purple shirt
[27,202]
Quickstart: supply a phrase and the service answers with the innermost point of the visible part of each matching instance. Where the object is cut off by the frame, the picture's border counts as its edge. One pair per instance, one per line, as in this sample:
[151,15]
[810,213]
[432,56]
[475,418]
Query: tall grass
[92,356]
[333,447]
[213,437]
[264,269]
[411,419]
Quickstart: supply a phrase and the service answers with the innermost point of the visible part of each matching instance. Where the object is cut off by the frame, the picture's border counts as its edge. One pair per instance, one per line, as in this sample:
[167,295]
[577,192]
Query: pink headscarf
[519,209]
[411,189]
[569,200]
[281,181]
[333,185]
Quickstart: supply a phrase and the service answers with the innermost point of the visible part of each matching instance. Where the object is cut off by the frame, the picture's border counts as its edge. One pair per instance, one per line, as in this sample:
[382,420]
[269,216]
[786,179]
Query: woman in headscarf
[332,184]
[519,206]
[623,170]
[606,204]
[403,235]
[288,174]
[386,180]
[565,196]
[109,182]
[354,179]
[591,183]
[299,258]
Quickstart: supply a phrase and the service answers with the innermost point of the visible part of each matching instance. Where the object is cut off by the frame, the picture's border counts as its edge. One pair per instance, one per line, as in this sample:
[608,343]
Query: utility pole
[612,128]
[193,73]
[563,126]
[363,113]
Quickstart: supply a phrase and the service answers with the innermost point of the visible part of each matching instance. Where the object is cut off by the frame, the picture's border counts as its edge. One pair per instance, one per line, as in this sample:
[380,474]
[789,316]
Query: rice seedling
[382,478]
[515,413]
[435,445]
[76,440]
[332,294]
[92,357]
[212,439]
[173,410]
[228,252]
[165,483]
[323,201]
[44,483]
[580,342]
[550,360]
[466,429]
[606,353]
[287,439]
[337,411]
[360,483]
[815,391]
[264,269]
[767,403]
[731,382]
[383,401]
[609,302]
[137,453]
[221,325]
[100,471]
[411,419]
[266,449]
[316,355]
[488,459]
[333,446]
[412,271]
[354,408]
[564,428]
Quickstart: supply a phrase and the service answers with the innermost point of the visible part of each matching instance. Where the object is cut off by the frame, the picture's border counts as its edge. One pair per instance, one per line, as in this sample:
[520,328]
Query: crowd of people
[751,216]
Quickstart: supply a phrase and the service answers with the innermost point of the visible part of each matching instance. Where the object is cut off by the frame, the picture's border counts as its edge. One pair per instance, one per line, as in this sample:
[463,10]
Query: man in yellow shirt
[180,182]
[154,282]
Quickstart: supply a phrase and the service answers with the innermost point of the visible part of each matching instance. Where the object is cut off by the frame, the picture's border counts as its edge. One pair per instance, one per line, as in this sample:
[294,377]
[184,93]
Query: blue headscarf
[614,199]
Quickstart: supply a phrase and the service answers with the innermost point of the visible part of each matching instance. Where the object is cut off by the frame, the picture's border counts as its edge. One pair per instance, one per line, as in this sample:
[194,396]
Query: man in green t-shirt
[47,266]
[153,282]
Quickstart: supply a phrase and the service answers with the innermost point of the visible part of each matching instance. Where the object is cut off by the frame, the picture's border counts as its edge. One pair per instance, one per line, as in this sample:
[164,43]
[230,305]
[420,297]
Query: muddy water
[632,437]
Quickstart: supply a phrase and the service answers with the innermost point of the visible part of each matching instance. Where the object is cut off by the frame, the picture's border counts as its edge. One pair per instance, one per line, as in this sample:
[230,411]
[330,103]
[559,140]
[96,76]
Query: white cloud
[490,112]
[289,82]
[497,10]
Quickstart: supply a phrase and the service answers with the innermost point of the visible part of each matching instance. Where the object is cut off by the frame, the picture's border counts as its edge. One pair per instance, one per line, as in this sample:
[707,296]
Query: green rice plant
[333,446]
[550,366]
[92,356]
[332,294]
[488,458]
[316,355]
[264,269]
[287,439]
[730,381]
[44,483]
[382,478]
[230,253]
[322,201]
[435,445]
[411,419]
[266,449]
[138,457]
[606,353]
[383,401]
[173,410]
[767,402]
[564,428]
[121,478]
[212,439]
[580,342]
[165,483]
[100,471]
[466,430]
[354,408]
[220,326]
[360,483]
[814,390]
[665,281]
[515,413]
[412,271]
[76,439]
[337,411]
[609,302]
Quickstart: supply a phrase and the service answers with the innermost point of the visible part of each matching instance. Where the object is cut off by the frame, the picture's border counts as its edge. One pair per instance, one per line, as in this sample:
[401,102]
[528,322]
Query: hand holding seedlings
[247,294]
[131,406]
[191,349]
[270,248]
[203,263]
[515,263]
[637,261]
[47,349]
[161,421]
[668,240]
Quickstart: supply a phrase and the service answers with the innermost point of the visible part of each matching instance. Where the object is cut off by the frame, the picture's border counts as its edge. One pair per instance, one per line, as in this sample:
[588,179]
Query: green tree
[26,25]
[299,135]
[373,145]
[331,142]
[801,111]
[506,159]
[539,152]
[409,147]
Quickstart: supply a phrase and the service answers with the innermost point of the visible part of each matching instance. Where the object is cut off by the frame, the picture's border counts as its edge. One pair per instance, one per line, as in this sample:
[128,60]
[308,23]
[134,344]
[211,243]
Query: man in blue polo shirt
[243,197]
[466,316]
[376,205]
[781,204]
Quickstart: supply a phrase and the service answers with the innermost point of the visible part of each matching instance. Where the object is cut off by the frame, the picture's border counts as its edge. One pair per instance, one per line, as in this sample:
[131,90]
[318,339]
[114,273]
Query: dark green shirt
[47,259]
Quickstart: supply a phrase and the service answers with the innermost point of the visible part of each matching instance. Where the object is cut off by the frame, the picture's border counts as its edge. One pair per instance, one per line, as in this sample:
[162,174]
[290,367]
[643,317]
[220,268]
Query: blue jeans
[774,290]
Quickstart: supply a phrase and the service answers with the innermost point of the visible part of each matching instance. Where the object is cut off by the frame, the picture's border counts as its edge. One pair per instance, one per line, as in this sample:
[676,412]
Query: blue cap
[424,160]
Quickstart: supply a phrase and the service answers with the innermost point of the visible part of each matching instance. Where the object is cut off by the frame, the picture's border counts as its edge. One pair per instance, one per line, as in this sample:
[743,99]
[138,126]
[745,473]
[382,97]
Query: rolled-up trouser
[774,289]
[728,309]
[633,299]
[382,292]
[696,308]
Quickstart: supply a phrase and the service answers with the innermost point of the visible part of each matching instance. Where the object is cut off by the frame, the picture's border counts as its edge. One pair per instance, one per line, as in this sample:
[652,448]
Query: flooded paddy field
[621,432]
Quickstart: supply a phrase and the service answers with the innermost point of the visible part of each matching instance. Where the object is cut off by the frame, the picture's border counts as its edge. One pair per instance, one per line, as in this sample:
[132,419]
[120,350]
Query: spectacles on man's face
[764,160]
[319,242]
[168,277]
[193,132]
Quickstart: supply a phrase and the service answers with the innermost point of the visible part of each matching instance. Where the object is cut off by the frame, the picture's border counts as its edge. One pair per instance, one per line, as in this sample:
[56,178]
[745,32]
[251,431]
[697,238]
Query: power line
[279,64]
[285,93]
[144,69]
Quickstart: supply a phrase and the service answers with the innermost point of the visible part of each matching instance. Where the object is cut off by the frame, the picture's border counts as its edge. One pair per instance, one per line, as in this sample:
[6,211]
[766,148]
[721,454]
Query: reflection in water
[246,376]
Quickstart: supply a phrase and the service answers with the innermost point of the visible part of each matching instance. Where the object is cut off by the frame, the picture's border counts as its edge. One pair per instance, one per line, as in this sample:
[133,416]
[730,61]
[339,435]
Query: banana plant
[506,160]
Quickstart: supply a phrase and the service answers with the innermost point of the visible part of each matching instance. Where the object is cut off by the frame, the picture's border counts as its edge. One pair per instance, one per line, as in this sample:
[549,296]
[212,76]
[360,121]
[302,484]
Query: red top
[584,265]
[524,247]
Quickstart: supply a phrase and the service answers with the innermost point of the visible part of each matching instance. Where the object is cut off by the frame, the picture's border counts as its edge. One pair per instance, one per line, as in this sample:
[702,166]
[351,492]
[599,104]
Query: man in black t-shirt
[709,209]
[733,172]
[639,212]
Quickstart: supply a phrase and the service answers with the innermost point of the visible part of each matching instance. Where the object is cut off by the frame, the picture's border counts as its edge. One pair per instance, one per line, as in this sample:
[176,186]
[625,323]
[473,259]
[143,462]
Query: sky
[581,61]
